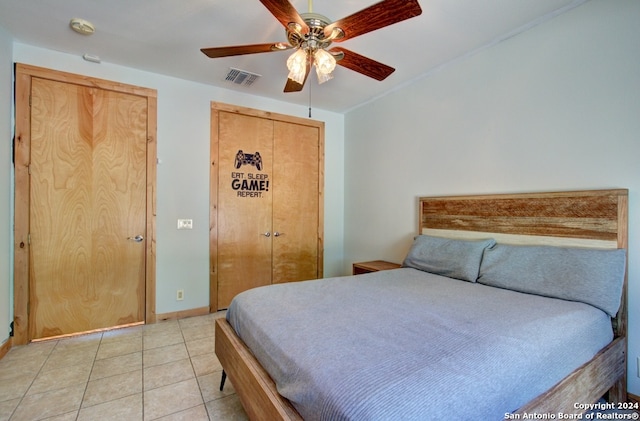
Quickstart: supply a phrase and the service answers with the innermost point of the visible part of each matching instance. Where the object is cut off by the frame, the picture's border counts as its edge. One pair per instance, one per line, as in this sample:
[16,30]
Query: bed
[588,229]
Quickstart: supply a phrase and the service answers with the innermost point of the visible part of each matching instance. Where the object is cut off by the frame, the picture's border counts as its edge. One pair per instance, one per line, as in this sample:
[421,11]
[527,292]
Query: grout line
[86,385]
[35,376]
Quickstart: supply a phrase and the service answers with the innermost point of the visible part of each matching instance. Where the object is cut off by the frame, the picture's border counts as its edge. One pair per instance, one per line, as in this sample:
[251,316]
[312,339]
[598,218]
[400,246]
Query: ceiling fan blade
[362,64]
[293,86]
[384,13]
[237,50]
[286,13]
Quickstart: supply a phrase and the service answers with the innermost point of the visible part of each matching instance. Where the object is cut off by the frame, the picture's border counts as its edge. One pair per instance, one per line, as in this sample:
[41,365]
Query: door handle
[267,234]
[138,238]
[278,234]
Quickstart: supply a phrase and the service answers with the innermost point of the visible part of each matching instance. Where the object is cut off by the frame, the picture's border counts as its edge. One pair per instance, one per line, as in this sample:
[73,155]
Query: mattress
[407,344]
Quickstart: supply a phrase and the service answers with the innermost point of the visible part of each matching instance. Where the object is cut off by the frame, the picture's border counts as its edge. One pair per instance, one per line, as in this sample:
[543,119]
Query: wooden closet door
[296,202]
[244,204]
[87,196]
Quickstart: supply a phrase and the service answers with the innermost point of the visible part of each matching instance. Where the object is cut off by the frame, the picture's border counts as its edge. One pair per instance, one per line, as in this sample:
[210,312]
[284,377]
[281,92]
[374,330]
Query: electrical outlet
[180,295]
[185,224]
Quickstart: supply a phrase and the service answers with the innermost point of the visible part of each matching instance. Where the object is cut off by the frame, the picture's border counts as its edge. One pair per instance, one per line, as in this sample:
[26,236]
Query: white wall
[554,108]
[183,174]
[6,195]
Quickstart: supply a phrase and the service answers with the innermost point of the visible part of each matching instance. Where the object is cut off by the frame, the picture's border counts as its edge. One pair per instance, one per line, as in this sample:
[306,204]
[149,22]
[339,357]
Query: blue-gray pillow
[459,259]
[591,276]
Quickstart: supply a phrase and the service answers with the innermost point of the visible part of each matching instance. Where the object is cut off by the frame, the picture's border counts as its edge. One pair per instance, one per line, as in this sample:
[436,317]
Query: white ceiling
[165,36]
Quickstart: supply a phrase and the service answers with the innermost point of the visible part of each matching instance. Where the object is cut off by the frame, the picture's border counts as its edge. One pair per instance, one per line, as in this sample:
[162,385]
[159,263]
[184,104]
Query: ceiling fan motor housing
[313,40]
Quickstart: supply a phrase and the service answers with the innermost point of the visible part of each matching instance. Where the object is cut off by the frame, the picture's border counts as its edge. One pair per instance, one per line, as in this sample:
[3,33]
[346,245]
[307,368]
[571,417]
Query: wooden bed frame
[594,218]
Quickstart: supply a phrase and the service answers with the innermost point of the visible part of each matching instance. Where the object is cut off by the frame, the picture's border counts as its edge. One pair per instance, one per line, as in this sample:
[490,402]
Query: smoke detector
[82,26]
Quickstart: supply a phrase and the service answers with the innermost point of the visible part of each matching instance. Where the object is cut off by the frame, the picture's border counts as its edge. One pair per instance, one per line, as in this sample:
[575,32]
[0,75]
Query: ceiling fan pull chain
[309,70]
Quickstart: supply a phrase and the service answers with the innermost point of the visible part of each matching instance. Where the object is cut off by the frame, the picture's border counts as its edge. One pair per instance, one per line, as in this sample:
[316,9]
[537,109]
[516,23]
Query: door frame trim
[216,108]
[22,147]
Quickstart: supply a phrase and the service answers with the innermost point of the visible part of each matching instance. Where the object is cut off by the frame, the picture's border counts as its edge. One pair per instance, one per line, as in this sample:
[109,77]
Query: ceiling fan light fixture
[325,62]
[297,65]
[323,77]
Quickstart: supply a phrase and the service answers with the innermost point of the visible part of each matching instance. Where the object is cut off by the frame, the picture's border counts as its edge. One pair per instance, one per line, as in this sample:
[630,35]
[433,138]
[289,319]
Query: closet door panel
[296,178]
[245,204]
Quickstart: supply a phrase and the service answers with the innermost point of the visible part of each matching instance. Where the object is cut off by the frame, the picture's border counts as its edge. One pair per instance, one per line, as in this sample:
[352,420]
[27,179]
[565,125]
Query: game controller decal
[249,184]
[248,159]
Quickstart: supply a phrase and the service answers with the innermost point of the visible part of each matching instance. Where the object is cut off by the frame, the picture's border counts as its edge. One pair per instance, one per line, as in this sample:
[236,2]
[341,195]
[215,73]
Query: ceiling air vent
[241,77]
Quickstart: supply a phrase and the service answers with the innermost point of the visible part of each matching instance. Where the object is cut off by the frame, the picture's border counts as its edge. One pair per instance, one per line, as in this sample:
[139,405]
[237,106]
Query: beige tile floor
[163,371]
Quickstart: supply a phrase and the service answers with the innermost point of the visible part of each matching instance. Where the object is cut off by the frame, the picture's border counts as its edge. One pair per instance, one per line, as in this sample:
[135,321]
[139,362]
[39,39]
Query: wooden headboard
[591,218]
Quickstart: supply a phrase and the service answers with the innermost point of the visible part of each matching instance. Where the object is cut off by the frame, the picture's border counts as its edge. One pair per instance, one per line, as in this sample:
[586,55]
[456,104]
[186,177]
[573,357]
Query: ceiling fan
[310,35]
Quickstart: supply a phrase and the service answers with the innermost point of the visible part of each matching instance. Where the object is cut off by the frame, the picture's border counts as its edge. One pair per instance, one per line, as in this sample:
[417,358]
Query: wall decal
[248,159]
[249,184]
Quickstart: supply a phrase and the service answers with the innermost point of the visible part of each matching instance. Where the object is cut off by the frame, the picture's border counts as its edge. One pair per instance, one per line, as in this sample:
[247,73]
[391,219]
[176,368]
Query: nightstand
[373,266]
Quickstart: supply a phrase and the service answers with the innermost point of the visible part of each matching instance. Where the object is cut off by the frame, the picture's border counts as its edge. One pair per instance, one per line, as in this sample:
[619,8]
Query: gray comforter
[409,345]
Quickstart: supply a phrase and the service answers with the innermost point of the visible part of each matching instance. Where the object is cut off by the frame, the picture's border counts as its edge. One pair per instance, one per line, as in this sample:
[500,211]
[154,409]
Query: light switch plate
[185,224]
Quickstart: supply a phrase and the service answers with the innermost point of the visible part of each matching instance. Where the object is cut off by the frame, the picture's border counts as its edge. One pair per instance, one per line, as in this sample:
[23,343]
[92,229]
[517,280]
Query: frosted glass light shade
[297,65]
